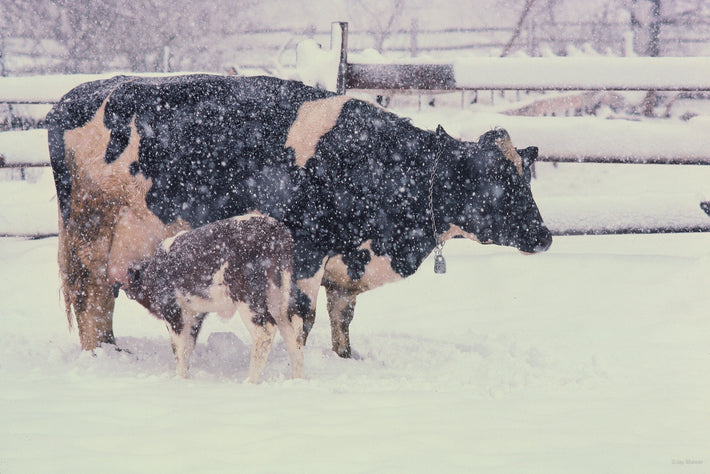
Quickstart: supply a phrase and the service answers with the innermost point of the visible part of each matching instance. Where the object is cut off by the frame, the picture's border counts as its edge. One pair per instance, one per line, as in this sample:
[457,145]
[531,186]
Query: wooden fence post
[2,54]
[414,31]
[340,28]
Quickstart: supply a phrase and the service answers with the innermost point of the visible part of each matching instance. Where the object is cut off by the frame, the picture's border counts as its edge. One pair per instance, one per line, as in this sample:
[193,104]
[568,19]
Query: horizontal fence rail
[536,74]
[624,160]
[682,74]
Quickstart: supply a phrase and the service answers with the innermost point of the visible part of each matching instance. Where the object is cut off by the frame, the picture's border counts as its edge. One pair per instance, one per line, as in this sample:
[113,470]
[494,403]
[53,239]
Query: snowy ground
[593,357]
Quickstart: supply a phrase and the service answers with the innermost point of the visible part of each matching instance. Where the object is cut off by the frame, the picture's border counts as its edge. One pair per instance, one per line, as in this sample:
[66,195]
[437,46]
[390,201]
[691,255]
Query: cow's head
[485,191]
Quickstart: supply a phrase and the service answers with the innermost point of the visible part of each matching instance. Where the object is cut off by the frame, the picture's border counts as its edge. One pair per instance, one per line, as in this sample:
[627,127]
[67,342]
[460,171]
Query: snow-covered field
[593,357]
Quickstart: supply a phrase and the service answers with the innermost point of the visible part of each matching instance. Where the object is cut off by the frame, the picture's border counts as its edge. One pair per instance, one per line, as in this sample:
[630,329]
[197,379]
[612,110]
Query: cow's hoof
[122,349]
[106,347]
[344,352]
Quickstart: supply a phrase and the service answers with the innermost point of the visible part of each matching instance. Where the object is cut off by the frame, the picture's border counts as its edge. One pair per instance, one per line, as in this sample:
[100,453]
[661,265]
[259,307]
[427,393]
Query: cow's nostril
[544,242]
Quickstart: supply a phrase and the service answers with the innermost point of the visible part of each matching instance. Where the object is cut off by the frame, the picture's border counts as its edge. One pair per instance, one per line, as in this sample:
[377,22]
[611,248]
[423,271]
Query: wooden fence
[529,74]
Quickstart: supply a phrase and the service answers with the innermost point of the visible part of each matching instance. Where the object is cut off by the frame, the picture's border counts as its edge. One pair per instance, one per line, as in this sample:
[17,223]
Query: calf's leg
[183,338]
[262,333]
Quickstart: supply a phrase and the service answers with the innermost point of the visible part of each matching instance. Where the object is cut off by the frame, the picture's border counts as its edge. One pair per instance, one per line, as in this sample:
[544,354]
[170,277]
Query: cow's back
[213,146]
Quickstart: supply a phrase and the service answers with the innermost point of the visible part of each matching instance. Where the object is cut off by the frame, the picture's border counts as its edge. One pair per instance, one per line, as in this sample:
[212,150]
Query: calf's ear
[134,275]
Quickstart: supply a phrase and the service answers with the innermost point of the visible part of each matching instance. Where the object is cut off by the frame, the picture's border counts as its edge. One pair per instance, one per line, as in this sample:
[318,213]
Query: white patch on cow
[456,231]
[249,215]
[505,145]
[377,272]
[168,243]
[87,147]
[218,299]
[277,302]
[310,286]
[297,324]
[314,119]
[137,234]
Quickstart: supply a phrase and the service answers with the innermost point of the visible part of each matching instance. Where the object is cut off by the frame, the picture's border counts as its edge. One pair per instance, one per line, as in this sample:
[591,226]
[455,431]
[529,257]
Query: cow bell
[439,262]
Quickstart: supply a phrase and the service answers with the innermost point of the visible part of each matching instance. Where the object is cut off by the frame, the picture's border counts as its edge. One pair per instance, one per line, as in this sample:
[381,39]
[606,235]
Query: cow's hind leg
[341,309]
[262,333]
[85,285]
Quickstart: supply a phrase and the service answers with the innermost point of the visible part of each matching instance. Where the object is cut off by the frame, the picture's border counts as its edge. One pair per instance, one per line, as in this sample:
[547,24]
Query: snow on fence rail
[539,74]
[522,73]
[48,89]
[24,149]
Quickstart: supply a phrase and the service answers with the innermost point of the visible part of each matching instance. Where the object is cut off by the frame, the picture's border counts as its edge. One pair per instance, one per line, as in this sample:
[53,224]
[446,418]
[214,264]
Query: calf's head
[135,287]
[484,189]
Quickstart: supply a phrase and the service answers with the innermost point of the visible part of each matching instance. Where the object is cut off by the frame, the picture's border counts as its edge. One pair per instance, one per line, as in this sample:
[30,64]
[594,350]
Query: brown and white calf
[240,264]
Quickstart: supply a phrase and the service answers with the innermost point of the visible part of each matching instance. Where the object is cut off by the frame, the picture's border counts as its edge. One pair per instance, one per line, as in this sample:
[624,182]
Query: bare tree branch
[518,27]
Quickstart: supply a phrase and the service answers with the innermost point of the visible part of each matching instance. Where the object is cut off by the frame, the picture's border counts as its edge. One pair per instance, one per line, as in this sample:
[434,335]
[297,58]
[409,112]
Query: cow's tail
[64,260]
[62,182]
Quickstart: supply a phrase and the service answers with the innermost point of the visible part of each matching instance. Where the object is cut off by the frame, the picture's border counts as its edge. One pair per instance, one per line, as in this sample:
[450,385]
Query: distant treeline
[272,49]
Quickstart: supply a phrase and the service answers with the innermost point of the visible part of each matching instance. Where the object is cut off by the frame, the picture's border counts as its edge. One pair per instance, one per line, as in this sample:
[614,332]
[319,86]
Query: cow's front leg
[341,309]
[304,295]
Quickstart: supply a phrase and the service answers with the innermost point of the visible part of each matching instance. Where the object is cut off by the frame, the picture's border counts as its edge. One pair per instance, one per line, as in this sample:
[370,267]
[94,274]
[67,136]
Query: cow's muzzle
[538,242]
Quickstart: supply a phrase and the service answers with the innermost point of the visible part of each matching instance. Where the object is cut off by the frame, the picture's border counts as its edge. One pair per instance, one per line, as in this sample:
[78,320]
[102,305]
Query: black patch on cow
[494,201]
[356,262]
[301,302]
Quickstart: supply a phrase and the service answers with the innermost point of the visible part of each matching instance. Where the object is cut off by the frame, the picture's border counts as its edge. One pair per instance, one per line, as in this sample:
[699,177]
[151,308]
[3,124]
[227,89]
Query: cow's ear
[529,155]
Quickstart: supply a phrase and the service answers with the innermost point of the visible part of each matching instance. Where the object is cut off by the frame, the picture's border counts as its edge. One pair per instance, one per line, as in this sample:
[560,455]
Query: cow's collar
[439,262]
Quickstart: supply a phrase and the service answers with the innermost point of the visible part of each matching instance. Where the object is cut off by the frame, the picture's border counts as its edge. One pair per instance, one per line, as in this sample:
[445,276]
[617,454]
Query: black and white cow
[239,264]
[366,195]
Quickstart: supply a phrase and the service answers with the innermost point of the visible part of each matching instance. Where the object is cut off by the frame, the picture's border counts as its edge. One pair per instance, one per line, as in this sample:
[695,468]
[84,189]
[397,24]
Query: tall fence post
[414,31]
[166,58]
[2,54]
[340,28]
